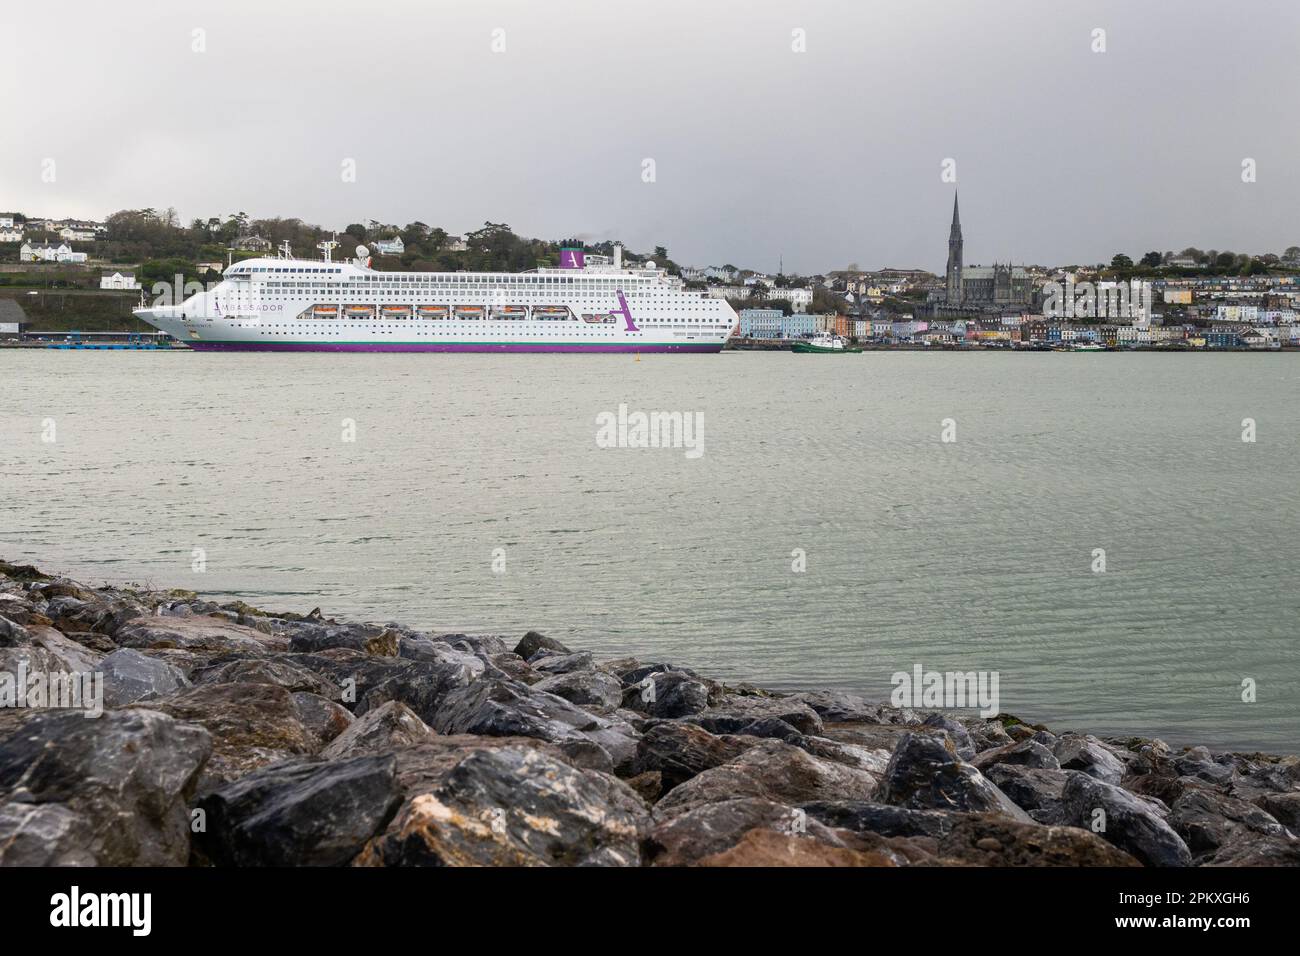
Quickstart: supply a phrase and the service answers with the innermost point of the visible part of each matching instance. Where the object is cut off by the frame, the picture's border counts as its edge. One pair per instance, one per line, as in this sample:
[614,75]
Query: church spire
[955,289]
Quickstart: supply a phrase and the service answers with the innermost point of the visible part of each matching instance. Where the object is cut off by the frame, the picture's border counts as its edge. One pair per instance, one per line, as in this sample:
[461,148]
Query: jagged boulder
[251,725]
[925,773]
[387,727]
[1086,753]
[500,708]
[124,778]
[666,694]
[586,688]
[515,807]
[212,635]
[732,713]
[680,751]
[1133,824]
[772,770]
[130,676]
[533,642]
[299,814]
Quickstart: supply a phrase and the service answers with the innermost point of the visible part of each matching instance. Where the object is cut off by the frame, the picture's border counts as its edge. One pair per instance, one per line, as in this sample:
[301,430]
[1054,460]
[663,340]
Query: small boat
[325,311]
[597,319]
[395,311]
[431,311]
[550,312]
[510,312]
[1087,347]
[359,311]
[468,311]
[823,342]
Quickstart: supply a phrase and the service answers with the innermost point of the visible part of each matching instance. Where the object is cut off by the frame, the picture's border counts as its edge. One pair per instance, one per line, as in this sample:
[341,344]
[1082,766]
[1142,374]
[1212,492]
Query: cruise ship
[587,305]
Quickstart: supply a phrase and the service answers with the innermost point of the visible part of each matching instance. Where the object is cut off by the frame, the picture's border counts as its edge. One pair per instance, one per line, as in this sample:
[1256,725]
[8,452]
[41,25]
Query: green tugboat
[823,342]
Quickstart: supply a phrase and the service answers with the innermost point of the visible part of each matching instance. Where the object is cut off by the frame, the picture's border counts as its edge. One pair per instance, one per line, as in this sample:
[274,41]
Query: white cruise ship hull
[293,305]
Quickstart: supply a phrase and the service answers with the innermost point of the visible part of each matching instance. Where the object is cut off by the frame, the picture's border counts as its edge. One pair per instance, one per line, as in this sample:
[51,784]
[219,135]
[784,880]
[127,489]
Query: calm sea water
[971,555]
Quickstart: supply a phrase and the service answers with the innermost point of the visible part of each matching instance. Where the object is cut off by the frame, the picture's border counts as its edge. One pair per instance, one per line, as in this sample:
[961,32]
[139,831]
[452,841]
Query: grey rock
[1026,753]
[1088,754]
[864,816]
[280,671]
[594,689]
[666,694]
[208,634]
[12,633]
[127,775]
[563,663]
[300,814]
[1208,822]
[925,773]
[251,725]
[324,718]
[499,708]
[732,713]
[387,727]
[130,676]
[680,751]
[954,729]
[705,829]
[1283,807]
[774,771]
[1039,792]
[839,707]
[43,834]
[1131,823]
[515,807]
[485,646]
[533,642]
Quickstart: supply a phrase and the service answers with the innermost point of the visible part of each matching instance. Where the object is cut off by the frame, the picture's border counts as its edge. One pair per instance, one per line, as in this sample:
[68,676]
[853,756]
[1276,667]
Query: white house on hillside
[119,281]
[49,253]
[390,247]
[11,234]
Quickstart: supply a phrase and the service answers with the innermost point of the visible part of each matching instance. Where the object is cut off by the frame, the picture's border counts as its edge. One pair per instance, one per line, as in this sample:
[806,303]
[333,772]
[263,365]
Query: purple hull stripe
[442,347]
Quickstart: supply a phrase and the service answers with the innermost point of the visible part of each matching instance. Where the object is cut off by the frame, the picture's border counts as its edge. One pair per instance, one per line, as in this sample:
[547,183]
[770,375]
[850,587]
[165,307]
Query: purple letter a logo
[624,311]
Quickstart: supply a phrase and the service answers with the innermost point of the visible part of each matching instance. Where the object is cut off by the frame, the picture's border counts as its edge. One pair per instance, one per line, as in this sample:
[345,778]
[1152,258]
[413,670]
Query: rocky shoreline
[233,736]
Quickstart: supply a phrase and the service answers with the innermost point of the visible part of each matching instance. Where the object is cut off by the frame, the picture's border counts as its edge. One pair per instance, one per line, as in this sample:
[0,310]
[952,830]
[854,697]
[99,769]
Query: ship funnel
[618,255]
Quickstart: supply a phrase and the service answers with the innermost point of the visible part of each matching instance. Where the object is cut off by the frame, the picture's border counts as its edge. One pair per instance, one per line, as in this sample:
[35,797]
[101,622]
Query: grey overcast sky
[825,157]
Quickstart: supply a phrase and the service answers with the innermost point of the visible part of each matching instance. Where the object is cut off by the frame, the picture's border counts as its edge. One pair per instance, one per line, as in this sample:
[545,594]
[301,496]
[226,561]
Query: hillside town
[1194,299]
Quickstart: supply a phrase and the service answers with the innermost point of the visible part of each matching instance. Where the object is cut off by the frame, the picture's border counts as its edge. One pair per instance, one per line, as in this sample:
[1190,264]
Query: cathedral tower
[954,293]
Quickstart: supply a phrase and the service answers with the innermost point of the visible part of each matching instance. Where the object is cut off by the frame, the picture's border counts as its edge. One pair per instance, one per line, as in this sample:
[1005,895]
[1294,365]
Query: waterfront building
[11,234]
[799,326]
[389,247]
[760,323]
[1222,338]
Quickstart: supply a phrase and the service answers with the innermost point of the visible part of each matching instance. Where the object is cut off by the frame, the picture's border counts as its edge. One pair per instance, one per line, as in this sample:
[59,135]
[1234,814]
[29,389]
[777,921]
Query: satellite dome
[362,252]
[650,264]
